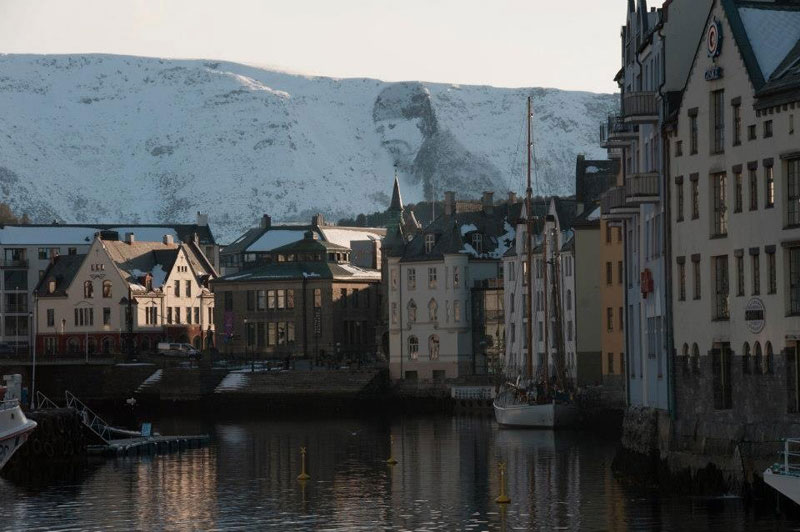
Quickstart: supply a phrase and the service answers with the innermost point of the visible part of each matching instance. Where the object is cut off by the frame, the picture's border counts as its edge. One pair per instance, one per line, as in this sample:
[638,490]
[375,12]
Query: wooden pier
[148,445]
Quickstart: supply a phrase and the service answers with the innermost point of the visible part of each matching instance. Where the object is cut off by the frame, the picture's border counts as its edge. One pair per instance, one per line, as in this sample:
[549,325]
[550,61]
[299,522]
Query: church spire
[397,200]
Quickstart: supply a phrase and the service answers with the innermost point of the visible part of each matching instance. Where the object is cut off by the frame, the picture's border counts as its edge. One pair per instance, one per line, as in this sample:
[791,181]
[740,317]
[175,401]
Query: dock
[142,446]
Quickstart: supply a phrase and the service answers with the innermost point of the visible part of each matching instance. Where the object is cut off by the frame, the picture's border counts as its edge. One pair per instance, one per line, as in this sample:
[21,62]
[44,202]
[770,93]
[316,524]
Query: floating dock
[148,445]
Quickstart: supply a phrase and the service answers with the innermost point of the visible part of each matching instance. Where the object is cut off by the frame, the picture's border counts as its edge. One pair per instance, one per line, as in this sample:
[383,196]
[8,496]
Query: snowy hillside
[126,139]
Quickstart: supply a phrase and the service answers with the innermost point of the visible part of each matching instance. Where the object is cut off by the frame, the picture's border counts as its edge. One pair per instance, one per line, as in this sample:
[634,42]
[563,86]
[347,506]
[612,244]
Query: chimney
[168,239]
[309,235]
[202,219]
[449,203]
[266,221]
[488,202]
[130,238]
[512,198]
[317,220]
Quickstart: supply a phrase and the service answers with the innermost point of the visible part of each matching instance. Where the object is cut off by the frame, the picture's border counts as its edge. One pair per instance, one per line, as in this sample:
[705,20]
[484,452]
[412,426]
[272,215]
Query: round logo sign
[755,315]
[714,38]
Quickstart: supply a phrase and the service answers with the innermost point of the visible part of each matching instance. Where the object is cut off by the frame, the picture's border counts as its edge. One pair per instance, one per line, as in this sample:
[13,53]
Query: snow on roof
[56,235]
[158,272]
[343,237]
[592,169]
[772,34]
[275,238]
[503,243]
[594,215]
[468,228]
[360,273]
[147,234]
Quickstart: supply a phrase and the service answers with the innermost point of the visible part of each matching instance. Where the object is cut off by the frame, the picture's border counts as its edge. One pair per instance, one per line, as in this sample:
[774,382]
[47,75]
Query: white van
[178,350]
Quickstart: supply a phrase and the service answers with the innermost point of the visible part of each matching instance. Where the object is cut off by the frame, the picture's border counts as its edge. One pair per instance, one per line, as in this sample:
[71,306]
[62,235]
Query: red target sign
[714,38]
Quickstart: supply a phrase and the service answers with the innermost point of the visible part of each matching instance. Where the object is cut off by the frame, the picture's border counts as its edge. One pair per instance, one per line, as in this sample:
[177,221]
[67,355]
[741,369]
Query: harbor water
[446,478]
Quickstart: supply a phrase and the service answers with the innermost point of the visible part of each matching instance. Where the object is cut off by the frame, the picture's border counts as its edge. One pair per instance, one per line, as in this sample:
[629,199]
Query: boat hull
[550,415]
[787,485]
[14,431]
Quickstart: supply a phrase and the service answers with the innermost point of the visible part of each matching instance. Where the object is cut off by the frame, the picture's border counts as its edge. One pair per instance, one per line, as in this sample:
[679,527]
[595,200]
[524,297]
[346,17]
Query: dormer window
[51,287]
[430,240]
[477,242]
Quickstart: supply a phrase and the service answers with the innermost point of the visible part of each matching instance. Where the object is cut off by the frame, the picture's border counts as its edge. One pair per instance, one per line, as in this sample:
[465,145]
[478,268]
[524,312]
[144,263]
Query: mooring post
[303,475]
[391,460]
[502,498]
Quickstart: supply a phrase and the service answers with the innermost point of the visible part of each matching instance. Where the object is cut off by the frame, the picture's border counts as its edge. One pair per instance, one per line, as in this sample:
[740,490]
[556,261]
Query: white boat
[14,428]
[509,413]
[785,476]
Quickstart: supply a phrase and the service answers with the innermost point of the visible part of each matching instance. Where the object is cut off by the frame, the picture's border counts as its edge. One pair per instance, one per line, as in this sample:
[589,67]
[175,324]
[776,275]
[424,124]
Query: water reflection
[446,478]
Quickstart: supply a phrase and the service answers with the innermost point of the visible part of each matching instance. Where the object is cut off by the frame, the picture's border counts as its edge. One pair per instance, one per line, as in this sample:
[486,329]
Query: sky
[567,44]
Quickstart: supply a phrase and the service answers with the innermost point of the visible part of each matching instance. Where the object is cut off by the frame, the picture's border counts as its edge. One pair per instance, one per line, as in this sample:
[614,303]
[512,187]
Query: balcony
[616,133]
[640,107]
[642,188]
[613,204]
[19,263]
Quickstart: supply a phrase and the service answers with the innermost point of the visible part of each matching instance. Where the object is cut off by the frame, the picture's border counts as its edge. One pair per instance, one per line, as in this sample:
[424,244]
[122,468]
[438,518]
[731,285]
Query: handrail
[94,422]
[42,401]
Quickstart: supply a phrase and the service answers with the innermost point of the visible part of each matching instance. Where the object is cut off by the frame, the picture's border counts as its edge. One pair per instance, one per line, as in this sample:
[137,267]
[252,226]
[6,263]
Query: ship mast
[545,262]
[529,251]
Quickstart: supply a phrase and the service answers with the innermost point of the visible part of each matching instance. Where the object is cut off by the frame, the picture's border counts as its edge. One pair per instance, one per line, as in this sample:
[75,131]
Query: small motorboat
[14,427]
[785,475]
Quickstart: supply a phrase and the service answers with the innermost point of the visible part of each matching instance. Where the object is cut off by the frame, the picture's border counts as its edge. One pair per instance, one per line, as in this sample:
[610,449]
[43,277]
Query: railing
[613,127]
[640,185]
[42,401]
[472,392]
[639,104]
[20,263]
[94,422]
[790,462]
[613,198]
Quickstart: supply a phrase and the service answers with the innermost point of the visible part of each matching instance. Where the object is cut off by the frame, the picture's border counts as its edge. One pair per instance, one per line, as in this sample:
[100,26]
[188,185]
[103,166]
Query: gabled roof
[309,245]
[62,271]
[266,240]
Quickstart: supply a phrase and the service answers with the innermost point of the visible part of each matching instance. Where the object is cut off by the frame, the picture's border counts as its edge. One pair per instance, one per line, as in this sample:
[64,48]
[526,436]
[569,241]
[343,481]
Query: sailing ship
[544,402]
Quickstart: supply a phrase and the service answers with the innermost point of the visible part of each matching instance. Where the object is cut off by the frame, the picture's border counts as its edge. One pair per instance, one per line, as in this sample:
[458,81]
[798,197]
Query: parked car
[178,350]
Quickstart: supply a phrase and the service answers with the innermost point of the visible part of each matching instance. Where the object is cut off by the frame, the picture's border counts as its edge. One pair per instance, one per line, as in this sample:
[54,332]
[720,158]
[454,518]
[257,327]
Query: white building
[430,278]
[560,296]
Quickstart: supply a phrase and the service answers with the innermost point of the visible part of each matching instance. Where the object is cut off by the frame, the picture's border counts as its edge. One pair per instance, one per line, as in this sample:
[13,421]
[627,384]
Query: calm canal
[446,479]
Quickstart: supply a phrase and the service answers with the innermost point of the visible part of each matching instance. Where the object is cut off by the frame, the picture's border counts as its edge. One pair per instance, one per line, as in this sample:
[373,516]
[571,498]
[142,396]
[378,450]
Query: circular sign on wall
[755,315]
[714,38]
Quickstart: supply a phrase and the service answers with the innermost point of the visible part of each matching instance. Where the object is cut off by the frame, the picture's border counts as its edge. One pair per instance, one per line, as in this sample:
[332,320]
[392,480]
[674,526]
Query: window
[290,332]
[149,315]
[51,317]
[177,314]
[250,294]
[72,251]
[290,298]
[343,296]
[721,290]
[433,347]
[433,310]
[620,274]
[413,348]
[739,275]
[317,297]
[169,315]
[759,362]
[768,362]
[477,242]
[457,278]
[228,303]
[411,274]
[188,288]
[88,290]
[177,288]
[737,124]
[767,129]
[272,300]
[753,188]
[718,121]
[261,300]
[679,201]
[569,299]
[188,314]
[610,319]
[695,359]
[42,254]
[793,379]
[746,366]
[693,133]
[272,333]
[769,187]
[621,320]
[751,132]
[281,299]
[609,273]
[432,277]
[430,240]
[457,311]
[696,268]
[281,328]
[719,182]
[756,274]
[610,362]
[106,289]
[721,368]
[210,314]
[695,200]
[681,280]
[678,148]
[793,182]
[737,191]
[412,311]
[355,297]
[794,280]
[608,233]
[772,281]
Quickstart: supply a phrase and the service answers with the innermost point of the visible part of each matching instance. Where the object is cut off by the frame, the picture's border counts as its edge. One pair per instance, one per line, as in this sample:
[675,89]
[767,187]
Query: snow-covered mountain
[105,138]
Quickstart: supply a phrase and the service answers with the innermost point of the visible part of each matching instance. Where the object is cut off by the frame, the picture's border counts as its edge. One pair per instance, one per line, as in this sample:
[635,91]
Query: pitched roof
[267,239]
[62,271]
[77,234]
[309,245]
[397,200]
[286,271]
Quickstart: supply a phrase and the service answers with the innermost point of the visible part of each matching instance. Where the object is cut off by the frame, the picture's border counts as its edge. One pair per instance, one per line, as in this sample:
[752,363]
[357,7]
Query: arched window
[433,347]
[696,359]
[106,288]
[433,310]
[74,345]
[746,358]
[92,345]
[758,357]
[145,344]
[413,348]
[685,358]
[768,358]
[569,299]
[108,344]
[412,311]
[88,289]
[456,311]
[477,242]
[430,241]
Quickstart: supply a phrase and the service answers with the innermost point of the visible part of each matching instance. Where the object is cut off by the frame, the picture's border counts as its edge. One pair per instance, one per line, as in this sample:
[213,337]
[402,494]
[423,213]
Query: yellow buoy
[502,498]
[303,475]
[391,460]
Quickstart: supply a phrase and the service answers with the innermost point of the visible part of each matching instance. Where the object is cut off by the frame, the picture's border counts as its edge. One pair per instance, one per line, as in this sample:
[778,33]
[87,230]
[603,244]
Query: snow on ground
[235,380]
[155,378]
